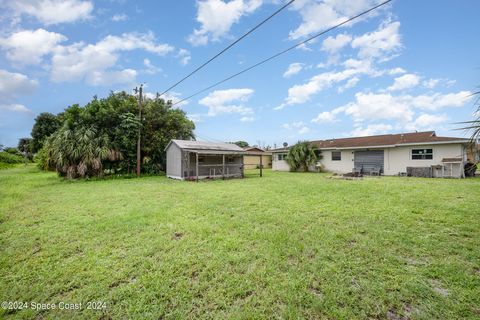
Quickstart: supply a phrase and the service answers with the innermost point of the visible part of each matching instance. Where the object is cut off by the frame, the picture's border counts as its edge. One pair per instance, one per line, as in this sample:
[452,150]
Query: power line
[231,45]
[283,52]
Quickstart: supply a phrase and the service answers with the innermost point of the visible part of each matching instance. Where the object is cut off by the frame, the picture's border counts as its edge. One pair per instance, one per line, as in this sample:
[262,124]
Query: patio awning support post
[261,166]
[223,166]
[243,166]
[196,165]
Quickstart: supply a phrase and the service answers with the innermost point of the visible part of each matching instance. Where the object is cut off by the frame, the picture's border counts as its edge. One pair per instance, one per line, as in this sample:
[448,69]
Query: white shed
[199,160]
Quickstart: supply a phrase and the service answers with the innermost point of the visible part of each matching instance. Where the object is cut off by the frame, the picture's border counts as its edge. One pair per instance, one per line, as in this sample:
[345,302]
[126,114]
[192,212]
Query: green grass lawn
[288,245]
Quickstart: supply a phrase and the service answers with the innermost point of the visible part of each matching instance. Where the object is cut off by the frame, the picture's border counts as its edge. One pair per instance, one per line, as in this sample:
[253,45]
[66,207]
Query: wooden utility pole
[139,98]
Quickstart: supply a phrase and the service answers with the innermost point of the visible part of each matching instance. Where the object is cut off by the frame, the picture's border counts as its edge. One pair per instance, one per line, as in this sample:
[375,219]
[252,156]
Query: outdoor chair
[375,171]
[356,171]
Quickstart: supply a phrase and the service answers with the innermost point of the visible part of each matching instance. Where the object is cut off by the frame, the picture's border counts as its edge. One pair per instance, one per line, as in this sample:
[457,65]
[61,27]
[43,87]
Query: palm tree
[78,152]
[474,126]
[301,156]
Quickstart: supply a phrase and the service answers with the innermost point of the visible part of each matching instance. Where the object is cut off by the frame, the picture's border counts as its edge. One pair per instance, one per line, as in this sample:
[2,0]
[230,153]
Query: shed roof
[426,137]
[203,146]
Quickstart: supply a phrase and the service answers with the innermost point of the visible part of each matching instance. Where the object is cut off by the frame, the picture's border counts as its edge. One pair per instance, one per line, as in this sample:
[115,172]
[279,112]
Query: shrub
[7,157]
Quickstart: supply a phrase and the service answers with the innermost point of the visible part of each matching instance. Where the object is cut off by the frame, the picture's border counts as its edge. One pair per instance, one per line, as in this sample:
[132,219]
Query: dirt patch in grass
[438,288]
[177,235]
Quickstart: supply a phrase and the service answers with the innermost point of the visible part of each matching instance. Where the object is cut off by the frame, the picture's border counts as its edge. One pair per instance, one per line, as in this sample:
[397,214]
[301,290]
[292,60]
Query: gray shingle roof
[204,145]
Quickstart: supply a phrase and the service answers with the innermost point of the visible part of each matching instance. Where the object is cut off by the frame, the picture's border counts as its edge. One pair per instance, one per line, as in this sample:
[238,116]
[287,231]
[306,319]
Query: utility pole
[139,98]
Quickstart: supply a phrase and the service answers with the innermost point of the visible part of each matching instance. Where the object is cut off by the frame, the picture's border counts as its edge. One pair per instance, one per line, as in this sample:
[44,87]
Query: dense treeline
[101,137]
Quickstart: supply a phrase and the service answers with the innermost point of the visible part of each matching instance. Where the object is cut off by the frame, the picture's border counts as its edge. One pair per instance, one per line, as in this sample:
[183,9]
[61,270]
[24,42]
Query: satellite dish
[285,144]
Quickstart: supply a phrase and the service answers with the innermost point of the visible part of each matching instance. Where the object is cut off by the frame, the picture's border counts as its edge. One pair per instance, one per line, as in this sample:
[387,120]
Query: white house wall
[396,159]
[279,165]
[343,166]
[399,158]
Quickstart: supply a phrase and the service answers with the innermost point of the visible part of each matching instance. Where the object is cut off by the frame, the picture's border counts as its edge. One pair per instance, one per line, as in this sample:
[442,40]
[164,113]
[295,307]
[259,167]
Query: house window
[230,159]
[281,157]
[336,155]
[201,159]
[422,154]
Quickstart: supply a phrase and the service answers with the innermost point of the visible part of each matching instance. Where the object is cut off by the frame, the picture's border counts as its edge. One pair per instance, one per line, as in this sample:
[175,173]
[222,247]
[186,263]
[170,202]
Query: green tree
[45,125]
[112,126]
[301,156]
[241,143]
[160,124]
[25,147]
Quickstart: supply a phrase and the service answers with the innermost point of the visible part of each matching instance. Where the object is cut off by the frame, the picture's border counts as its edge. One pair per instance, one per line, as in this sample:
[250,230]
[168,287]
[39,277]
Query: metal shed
[194,160]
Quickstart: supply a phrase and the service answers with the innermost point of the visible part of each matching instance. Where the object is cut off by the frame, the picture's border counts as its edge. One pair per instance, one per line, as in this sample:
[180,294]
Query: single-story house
[199,160]
[278,159]
[390,154]
[254,157]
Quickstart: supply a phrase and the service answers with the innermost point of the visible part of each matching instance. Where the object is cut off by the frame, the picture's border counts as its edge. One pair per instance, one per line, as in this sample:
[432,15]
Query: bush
[6,157]
[13,151]
[8,160]
[42,160]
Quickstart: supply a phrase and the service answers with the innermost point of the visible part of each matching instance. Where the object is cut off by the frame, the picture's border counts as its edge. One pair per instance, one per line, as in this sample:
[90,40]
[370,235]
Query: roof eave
[397,145]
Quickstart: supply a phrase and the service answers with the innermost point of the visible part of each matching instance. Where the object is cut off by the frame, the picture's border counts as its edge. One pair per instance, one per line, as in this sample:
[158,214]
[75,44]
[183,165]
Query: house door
[369,160]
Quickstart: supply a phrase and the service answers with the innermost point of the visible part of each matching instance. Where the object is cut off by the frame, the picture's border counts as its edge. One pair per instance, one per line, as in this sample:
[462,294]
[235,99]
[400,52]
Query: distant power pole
[139,98]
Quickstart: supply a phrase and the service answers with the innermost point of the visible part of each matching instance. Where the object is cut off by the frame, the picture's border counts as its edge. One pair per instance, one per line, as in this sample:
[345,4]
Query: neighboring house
[254,155]
[278,159]
[392,154]
[199,160]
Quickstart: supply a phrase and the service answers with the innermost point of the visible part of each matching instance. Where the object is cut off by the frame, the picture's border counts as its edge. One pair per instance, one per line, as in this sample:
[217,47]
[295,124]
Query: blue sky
[408,66]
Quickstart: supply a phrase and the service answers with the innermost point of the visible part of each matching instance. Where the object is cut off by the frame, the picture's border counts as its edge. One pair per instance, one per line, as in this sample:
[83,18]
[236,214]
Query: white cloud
[247,119]
[227,101]
[320,15]
[293,69]
[93,62]
[297,126]
[97,78]
[15,108]
[328,116]
[372,129]
[132,41]
[380,42]
[406,81]
[195,117]
[334,44]
[150,68]
[119,17]
[385,106]
[350,84]
[432,83]
[184,56]
[396,71]
[371,106]
[51,12]
[217,17]
[12,86]
[302,93]
[28,47]
[438,101]
[427,122]
[304,130]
